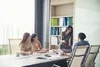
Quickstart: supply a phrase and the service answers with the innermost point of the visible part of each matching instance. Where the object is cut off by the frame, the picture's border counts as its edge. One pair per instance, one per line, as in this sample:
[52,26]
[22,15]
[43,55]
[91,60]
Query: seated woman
[25,45]
[36,45]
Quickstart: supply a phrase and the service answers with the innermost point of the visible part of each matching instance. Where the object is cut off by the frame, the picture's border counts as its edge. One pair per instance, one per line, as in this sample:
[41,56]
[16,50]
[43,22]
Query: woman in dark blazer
[67,39]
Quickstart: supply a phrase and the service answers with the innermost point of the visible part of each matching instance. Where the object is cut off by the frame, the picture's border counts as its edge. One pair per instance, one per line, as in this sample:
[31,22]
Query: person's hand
[63,54]
[29,52]
[37,50]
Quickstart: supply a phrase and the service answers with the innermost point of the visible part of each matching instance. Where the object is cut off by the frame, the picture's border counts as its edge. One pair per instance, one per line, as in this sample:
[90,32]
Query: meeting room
[49,33]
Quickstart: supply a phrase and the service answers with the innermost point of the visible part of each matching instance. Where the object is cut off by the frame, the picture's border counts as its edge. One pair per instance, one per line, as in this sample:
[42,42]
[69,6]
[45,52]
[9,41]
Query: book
[53,31]
[60,30]
[61,21]
[57,30]
[54,22]
[70,21]
[65,21]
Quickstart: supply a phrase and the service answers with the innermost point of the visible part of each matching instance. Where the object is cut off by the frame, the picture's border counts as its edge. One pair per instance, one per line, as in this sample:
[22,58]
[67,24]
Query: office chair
[78,55]
[14,45]
[91,56]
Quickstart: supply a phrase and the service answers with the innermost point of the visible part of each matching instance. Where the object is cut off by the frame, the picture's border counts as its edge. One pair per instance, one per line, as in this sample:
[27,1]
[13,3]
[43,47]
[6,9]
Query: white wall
[87,20]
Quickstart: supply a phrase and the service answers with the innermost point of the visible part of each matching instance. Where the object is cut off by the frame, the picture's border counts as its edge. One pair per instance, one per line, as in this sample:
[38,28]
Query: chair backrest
[78,56]
[90,58]
[54,47]
[14,45]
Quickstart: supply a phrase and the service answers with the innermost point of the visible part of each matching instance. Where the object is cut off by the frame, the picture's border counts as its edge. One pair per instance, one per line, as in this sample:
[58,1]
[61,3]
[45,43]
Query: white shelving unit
[60,9]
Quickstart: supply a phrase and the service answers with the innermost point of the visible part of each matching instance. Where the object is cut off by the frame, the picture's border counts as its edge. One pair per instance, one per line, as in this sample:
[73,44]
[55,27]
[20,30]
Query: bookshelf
[61,18]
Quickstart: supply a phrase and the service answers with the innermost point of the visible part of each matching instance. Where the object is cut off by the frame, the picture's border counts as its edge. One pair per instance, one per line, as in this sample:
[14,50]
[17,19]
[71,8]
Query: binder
[61,21]
[53,31]
[57,30]
[60,31]
[54,21]
[69,20]
[65,21]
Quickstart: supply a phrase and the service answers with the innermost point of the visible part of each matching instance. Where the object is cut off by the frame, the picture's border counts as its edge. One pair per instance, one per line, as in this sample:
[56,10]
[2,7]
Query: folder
[61,21]
[60,31]
[54,22]
[70,21]
[57,30]
[52,31]
[65,21]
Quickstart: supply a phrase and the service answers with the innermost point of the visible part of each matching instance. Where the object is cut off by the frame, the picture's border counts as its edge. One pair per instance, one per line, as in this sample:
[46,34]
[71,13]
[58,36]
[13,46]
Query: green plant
[3,49]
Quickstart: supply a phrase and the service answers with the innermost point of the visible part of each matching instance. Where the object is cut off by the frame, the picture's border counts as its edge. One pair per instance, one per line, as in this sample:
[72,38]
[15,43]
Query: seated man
[81,41]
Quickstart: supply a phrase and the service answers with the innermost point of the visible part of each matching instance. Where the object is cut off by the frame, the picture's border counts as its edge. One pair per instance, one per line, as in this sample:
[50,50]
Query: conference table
[34,60]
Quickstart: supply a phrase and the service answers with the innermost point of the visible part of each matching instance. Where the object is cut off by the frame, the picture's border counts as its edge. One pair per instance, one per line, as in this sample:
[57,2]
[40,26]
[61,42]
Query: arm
[61,39]
[36,47]
[39,44]
[69,42]
[41,49]
[25,53]
[32,50]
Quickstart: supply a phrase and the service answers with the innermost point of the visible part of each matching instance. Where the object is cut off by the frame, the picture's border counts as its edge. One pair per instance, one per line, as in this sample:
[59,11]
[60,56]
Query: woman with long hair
[67,39]
[36,45]
[25,45]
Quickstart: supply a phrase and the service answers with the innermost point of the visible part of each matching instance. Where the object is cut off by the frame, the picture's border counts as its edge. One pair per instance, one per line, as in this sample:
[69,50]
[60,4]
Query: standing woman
[25,45]
[67,39]
[36,45]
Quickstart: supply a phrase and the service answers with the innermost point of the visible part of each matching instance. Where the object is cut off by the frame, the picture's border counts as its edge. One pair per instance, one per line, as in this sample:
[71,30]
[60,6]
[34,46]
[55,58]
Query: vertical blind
[16,17]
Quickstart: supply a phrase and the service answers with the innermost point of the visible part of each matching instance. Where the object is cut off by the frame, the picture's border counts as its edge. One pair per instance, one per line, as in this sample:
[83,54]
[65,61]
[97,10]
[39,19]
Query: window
[16,17]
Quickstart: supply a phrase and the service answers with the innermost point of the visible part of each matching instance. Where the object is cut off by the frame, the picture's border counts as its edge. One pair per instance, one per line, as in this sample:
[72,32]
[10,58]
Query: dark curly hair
[32,37]
[82,36]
